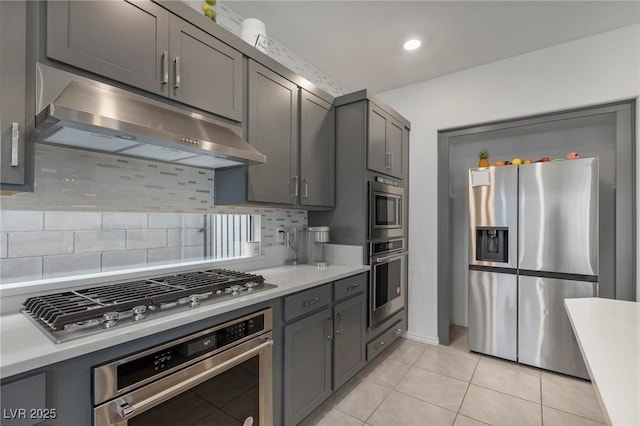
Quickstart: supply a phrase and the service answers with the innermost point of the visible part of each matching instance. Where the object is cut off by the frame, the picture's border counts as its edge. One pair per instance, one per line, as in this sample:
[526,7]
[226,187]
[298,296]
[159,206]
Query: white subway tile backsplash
[192,237]
[3,245]
[146,238]
[112,261]
[20,269]
[69,264]
[18,221]
[112,220]
[63,221]
[193,220]
[94,241]
[165,220]
[30,255]
[174,237]
[192,252]
[165,255]
[27,244]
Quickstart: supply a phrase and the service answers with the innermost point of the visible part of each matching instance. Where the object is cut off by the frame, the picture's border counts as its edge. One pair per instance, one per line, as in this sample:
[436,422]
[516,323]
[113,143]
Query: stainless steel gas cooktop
[73,314]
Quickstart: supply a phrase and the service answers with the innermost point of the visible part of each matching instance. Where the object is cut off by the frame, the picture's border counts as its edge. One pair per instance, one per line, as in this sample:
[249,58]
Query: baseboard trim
[429,340]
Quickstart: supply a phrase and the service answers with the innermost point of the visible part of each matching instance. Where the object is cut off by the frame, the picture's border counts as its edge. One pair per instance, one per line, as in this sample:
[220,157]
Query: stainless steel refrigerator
[533,242]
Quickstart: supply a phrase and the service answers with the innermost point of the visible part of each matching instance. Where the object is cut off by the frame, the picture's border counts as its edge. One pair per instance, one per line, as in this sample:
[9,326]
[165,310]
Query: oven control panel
[143,366]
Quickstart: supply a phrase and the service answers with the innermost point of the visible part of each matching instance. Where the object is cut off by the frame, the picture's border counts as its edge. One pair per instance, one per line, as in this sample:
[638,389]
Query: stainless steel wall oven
[219,376]
[386,209]
[387,281]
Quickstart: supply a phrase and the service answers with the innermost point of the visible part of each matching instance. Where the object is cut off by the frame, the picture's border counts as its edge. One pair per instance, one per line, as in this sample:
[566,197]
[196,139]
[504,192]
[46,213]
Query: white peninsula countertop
[23,347]
[608,332]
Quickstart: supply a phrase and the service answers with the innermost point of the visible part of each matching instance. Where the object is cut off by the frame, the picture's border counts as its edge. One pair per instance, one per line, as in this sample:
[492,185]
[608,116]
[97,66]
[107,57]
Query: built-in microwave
[386,209]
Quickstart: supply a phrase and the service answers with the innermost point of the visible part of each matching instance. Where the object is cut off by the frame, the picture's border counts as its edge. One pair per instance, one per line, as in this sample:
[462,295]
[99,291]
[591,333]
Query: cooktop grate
[72,308]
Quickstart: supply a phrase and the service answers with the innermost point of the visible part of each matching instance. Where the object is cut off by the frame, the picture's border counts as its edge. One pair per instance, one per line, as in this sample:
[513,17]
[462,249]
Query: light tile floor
[414,384]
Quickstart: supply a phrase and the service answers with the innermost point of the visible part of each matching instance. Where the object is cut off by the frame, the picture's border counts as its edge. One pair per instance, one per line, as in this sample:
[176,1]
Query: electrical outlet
[280,234]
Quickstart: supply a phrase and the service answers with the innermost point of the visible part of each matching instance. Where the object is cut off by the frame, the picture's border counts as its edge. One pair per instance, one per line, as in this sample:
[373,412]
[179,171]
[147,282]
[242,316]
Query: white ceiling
[359,43]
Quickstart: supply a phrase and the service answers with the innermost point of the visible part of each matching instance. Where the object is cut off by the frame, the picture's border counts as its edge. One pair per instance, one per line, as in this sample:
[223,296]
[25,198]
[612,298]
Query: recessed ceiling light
[412,44]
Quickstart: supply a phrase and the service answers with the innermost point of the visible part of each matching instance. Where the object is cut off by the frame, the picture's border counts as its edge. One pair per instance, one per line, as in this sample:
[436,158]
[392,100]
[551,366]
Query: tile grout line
[466,391]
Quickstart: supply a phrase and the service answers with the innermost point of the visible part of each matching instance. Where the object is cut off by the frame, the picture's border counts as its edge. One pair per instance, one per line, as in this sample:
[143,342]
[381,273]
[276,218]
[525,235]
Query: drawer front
[377,346]
[306,301]
[350,286]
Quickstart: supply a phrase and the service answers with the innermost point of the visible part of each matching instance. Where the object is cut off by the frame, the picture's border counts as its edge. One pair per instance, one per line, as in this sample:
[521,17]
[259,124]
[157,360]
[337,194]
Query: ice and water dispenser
[492,244]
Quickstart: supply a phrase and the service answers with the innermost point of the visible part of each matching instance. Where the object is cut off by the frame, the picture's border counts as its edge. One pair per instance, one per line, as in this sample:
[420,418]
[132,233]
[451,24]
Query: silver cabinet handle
[15,143]
[397,331]
[165,67]
[305,193]
[294,182]
[353,287]
[379,345]
[391,160]
[177,70]
[310,302]
[339,325]
[330,336]
[387,162]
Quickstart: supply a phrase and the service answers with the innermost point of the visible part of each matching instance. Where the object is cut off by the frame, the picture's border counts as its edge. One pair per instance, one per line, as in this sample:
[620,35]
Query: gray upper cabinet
[386,150]
[206,73]
[139,43]
[122,40]
[317,151]
[273,130]
[12,85]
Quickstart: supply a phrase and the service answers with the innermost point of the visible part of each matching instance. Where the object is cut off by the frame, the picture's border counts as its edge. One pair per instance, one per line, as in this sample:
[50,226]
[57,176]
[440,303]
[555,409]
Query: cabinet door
[376,144]
[394,148]
[205,72]
[307,365]
[12,84]
[273,130]
[349,347]
[317,151]
[124,40]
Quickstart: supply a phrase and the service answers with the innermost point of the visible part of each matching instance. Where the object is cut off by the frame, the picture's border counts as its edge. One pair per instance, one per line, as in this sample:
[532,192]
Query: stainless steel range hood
[83,113]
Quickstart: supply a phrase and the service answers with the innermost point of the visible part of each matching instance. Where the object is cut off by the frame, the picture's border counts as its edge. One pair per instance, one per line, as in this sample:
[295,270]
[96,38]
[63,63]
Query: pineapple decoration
[484,158]
[207,9]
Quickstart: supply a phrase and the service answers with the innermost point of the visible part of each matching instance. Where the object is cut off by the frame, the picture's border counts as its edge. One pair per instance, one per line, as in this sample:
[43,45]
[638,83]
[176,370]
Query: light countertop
[23,347]
[608,332]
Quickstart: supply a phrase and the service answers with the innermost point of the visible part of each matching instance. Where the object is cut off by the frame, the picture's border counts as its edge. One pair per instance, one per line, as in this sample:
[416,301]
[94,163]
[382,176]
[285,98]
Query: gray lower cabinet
[386,149]
[322,351]
[24,402]
[12,86]
[307,365]
[141,44]
[349,349]
[317,151]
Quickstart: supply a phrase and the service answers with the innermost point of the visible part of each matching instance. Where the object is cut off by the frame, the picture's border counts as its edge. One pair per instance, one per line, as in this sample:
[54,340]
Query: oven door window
[230,398]
[387,210]
[388,282]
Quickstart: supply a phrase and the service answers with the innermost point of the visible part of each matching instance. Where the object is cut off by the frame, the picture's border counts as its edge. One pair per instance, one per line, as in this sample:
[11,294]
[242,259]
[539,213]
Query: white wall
[589,71]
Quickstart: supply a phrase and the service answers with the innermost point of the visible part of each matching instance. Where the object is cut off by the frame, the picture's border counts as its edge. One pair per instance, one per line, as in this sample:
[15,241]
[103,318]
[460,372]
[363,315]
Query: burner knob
[195,299]
[109,319]
[251,285]
[235,293]
[124,409]
[139,312]
[218,291]
[235,287]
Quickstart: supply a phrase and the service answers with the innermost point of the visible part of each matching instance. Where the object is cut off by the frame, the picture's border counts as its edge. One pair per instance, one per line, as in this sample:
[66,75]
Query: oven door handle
[178,388]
